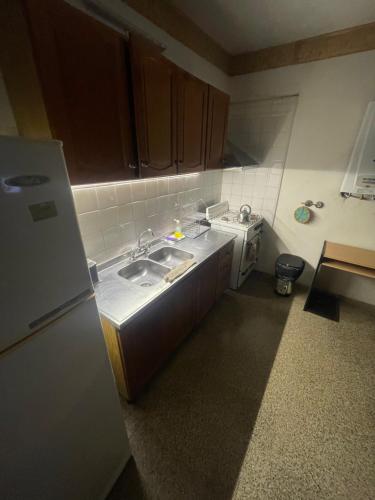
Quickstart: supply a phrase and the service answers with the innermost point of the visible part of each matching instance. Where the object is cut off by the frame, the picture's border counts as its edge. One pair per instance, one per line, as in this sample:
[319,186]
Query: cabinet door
[151,337]
[224,269]
[154,88]
[206,289]
[191,123]
[82,68]
[218,104]
[181,316]
[143,346]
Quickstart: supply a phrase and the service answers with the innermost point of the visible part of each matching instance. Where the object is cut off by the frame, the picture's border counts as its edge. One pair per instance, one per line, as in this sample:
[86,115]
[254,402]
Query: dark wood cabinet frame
[142,346]
[121,109]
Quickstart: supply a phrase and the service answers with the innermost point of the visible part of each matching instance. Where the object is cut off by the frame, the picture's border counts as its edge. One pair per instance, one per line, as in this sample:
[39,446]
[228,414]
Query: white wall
[333,95]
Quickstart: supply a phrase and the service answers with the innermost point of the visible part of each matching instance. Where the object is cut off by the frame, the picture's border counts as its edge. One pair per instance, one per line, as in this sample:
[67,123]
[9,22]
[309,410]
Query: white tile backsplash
[152,188]
[114,237]
[109,217]
[141,225]
[139,210]
[106,196]
[139,190]
[129,233]
[263,129]
[163,186]
[85,200]
[152,206]
[125,213]
[124,193]
[173,183]
[89,222]
[112,215]
[236,190]
[93,243]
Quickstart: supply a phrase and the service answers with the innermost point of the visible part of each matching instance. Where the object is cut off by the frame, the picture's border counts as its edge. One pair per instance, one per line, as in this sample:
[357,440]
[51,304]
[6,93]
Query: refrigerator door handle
[60,310]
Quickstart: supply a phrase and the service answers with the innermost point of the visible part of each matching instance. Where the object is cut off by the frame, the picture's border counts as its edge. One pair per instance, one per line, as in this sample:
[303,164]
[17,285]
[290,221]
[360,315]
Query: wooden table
[345,258]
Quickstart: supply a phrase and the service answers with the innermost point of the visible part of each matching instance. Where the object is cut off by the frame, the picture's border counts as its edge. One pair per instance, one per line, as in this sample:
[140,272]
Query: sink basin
[170,256]
[144,272]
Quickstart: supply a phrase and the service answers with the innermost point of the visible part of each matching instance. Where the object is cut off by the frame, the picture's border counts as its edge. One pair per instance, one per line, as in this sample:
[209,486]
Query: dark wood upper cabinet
[121,109]
[81,64]
[218,104]
[154,90]
[191,122]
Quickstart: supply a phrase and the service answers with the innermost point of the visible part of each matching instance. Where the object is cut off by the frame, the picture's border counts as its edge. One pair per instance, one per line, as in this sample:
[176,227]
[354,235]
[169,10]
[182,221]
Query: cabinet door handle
[144,164]
[131,165]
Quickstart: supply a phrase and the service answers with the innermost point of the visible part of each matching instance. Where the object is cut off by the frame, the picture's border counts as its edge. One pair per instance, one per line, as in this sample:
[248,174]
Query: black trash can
[288,268]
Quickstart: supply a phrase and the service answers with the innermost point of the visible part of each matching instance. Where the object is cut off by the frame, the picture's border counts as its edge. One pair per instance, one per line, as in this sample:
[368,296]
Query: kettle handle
[246,206]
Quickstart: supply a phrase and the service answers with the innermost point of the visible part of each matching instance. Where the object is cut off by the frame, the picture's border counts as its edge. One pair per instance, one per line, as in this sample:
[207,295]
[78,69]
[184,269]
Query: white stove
[247,242]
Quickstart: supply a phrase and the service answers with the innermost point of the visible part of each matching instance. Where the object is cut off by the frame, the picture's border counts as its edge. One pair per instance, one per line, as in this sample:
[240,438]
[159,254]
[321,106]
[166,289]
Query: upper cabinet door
[154,89]
[82,68]
[218,104]
[191,123]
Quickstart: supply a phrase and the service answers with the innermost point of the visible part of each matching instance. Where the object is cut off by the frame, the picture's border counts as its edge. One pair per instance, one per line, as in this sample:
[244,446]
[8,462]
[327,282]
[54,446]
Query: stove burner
[231,217]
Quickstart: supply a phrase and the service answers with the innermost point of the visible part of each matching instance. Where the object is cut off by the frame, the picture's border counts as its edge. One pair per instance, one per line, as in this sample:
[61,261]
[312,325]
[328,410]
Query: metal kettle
[244,215]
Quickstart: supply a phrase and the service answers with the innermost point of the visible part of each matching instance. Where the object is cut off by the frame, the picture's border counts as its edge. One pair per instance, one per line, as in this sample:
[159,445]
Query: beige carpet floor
[263,401]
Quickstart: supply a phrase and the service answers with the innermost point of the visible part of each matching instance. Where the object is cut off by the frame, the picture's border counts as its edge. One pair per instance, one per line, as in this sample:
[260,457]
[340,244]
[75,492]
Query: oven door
[250,254]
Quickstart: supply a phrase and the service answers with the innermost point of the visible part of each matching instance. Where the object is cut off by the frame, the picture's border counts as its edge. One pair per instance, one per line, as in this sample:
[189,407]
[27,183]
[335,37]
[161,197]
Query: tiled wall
[261,128]
[111,216]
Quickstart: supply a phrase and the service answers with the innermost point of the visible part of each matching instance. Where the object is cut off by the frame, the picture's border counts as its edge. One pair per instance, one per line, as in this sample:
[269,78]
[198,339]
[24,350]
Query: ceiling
[244,25]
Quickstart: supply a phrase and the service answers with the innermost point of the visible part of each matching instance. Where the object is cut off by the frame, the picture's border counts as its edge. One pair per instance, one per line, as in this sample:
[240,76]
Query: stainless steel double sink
[150,271]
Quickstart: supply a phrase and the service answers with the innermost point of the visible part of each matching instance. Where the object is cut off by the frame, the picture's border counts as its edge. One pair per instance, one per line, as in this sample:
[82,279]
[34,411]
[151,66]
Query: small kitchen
[182,293]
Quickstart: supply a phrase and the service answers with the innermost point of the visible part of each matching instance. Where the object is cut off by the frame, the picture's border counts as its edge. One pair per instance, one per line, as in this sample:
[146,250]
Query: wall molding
[338,43]
[182,28]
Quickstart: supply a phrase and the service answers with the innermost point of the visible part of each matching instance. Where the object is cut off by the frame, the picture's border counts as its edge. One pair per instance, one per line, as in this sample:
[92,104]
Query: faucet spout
[143,233]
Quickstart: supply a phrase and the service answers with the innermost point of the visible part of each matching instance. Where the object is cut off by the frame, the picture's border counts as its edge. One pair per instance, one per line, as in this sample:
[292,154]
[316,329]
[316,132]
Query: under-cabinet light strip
[117,183]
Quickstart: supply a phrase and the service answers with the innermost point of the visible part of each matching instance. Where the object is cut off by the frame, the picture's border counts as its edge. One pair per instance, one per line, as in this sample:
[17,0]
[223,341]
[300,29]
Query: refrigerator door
[43,265]
[61,427]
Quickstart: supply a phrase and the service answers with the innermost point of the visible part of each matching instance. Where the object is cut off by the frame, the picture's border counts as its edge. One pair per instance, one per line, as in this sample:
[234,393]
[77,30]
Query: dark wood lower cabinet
[225,266]
[180,319]
[139,349]
[142,345]
[206,287]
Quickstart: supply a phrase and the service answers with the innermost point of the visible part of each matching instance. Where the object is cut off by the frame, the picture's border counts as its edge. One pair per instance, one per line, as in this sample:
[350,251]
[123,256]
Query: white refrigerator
[62,434]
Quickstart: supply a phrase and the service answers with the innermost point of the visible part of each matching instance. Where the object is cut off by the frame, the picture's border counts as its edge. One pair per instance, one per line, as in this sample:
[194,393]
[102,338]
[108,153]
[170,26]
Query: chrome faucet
[149,230]
[142,249]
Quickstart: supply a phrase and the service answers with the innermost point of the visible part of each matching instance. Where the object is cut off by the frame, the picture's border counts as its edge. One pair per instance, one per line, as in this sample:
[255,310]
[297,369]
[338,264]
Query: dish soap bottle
[178,234]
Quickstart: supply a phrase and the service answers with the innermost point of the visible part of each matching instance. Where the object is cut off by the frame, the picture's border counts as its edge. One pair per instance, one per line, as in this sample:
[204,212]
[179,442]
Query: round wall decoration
[302,215]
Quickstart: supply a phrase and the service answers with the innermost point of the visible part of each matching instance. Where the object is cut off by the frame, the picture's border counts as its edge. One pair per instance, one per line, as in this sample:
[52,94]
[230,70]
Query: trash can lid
[289,260]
